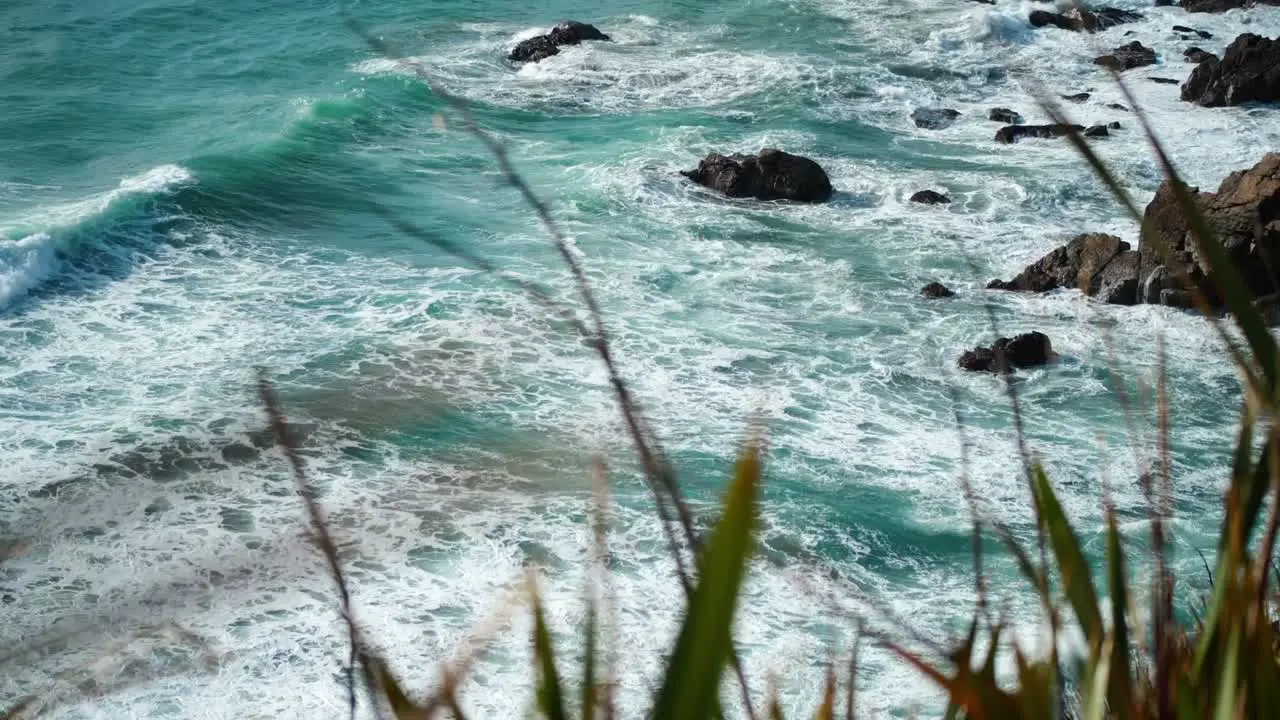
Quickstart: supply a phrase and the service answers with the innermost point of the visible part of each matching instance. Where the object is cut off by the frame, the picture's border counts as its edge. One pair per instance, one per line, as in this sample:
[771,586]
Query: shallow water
[186,192]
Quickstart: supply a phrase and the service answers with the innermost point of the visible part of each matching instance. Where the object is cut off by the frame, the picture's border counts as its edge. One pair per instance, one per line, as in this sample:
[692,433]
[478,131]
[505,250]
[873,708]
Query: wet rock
[929,197]
[1117,106]
[1197,55]
[1014,133]
[1244,214]
[936,290]
[1164,81]
[544,46]
[1004,115]
[1202,34]
[1181,299]
[1159,280]
[1217,6]
[1248,72]
[157,506]
[1077,19]
[1077,98]
[1117,283]
[1114,125]
[1096,131]
[1127,57]
[771,175]
[1026,350]
[934,118]
[1078,264]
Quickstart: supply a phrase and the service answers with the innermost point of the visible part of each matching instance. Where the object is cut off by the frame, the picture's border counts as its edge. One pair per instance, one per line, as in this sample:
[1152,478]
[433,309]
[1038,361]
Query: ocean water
[187,191]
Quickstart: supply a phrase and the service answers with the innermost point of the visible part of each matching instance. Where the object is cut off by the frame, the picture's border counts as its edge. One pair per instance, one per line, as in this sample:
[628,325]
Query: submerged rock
[934,118]
[1026,350]
[936,290]
[929,197]
[1004,115]
[1127,57]
[1202,34]
[771,175]
[1014,133]
[1248,72]
[1096,131]
[1077,19]
[1164,80]
[1077,98]
[541,47]
[1217,6]
[1117,106]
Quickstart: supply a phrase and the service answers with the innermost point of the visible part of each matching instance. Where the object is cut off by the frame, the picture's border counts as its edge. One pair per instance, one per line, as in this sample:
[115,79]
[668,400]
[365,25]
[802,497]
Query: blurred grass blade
[589,666]
[402,708]
[1119,685]
[550,694]
[1077,579]
[691,685]
[1226,705]
[1097,689]
[852,691]
[827,710]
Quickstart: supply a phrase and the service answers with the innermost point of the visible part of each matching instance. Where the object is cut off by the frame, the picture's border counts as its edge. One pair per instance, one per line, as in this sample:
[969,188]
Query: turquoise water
[186,193]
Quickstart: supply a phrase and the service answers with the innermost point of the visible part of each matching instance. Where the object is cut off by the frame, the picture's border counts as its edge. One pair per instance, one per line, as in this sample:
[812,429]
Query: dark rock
[1078,19]
[936,290]
[1078,264]
[1117,106]
[1014,133]
[1159,280]
[544,46]
[771,175]
[934,118]
[1244,214]
[1127,57]
[1202,34]
[929,197]
[1248,72]
[1114,125]
[1215,6]
[1096,131]
[1178,299]
[1077,98]
[1026,350]
[1004,115]
[1164,81]
[1117,283]
[1197,56]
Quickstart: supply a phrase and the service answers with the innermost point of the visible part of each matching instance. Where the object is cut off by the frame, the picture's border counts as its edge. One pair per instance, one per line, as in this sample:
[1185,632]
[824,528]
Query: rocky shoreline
[1166,267]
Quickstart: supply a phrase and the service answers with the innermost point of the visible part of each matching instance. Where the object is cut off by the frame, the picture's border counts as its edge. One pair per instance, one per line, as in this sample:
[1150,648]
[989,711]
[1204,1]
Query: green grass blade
[1226,705]
[1077,579]
[1096,691]
[691,686]
[1120,687]
[550,694]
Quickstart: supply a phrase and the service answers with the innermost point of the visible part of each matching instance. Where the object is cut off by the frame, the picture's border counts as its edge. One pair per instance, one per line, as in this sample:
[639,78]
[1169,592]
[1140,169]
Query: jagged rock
[934,118]
[1248,72]
[929,197]
[1014,133]
[1202,34]
[1127,57]
[936,290]
[1159,280]
[542,47]
[1117,283]
[1197,56]
[771,175]
[1087,20]
[1026,350]
[1096,131]
[1004,115]
[1244,214]
[1078,264]
[1077,98]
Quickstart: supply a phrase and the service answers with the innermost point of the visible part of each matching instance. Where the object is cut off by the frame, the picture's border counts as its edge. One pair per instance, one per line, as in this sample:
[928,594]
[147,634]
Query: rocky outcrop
[1014,133]
[1197,55]
[936,290]
[1244,214]
[934,118]
[771,175]
[1078,264]
[929,197]
[1127,57]
[1004,115]
[1026,350]
[1217,6]
[544,46]
[1248,72]
[1078,20]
